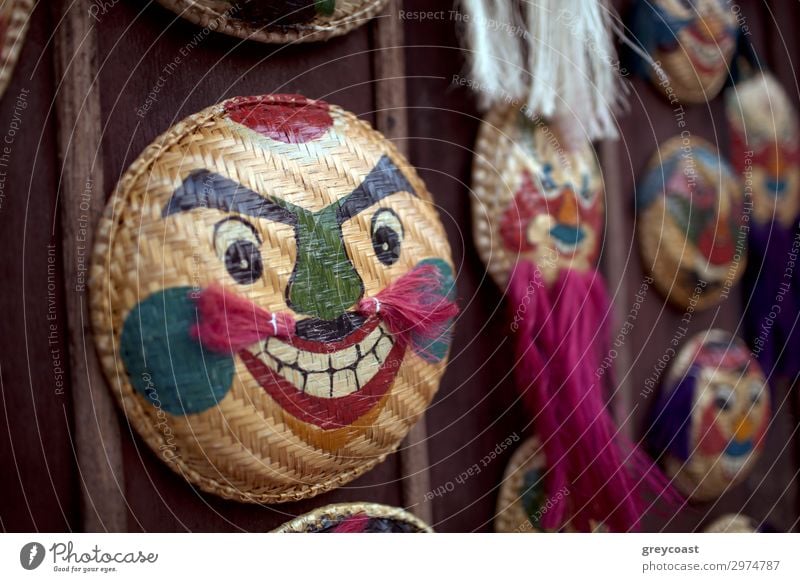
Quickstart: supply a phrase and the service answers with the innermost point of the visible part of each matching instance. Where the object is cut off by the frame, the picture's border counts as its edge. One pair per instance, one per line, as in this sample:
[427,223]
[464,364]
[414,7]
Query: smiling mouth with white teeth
[327,384]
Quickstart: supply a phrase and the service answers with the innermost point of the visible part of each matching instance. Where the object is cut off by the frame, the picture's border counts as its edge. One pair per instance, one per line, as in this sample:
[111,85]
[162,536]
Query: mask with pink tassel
[538,216]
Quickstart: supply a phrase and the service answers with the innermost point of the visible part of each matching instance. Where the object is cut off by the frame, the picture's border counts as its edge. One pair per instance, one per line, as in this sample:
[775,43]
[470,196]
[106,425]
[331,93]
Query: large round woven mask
[298,208]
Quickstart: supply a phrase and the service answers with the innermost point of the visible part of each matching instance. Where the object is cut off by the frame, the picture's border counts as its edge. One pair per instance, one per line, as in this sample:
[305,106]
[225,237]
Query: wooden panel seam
[82,198]
[392,120]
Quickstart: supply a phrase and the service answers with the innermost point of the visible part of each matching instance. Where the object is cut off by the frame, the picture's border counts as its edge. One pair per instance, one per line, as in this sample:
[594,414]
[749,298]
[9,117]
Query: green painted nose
[324,283]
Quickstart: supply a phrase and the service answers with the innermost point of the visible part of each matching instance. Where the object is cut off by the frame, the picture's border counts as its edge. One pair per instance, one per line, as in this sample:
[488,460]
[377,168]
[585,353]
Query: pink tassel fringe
[411,306]
[353,524]
[559,350]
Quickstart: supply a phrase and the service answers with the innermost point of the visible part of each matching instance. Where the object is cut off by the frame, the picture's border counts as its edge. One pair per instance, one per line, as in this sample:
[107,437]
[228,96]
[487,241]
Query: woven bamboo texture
[330,515]
[248,447]
[218,15]
[667,249]
[704,475]
[508,146]
[14,18]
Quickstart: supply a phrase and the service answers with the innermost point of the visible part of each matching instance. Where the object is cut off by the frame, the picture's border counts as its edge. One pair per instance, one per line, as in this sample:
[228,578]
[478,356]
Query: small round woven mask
[690,223]
[538,196]
[14,18]
[278,21]
[230,278]
[356,518]
[712,415]
[693,42]
[523,498]
[765,146]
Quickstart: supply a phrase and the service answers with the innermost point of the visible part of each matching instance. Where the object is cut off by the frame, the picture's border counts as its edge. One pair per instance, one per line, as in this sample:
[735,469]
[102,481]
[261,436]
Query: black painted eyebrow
[206,189]
[383,180]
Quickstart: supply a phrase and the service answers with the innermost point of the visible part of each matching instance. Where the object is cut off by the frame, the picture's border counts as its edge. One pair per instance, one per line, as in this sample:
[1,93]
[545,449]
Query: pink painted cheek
[527,204]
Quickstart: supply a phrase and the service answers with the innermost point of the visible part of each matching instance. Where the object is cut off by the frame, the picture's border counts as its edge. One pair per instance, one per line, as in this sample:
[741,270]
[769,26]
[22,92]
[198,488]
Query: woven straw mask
[765,146]
[693,41]
[689,223]
[300,208]
[278,21]
[538,196]
[713,414]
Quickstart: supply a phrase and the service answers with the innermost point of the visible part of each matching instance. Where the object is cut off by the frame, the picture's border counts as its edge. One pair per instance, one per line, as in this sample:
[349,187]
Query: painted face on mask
[689,223]
[693,41]
[550,199]
[294,208]
[715,413]
[765,147]
[278,20]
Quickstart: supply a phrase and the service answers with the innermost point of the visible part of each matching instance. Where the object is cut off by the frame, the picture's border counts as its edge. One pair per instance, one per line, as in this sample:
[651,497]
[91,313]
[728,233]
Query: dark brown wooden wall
[40,485]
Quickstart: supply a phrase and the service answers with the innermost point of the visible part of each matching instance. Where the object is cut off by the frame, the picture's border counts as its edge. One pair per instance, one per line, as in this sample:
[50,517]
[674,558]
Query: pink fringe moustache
[412,307]
[559,348]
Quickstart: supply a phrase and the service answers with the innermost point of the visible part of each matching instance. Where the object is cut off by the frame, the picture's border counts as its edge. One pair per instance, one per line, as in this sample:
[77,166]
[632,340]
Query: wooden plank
[614,261]
[81,191]
[392,120]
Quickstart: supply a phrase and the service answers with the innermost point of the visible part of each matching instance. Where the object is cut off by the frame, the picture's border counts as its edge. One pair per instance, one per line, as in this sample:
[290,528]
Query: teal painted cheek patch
[435,350]
[165,364]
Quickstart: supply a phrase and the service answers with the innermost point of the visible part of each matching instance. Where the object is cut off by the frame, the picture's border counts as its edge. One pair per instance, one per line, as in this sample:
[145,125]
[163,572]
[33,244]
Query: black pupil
[386,243]
[243,261]
[723,402]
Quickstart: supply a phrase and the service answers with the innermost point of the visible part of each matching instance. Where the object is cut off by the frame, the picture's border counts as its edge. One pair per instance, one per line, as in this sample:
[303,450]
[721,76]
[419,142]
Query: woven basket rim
[731,523]
[200,15]
[301,523]
[102,321]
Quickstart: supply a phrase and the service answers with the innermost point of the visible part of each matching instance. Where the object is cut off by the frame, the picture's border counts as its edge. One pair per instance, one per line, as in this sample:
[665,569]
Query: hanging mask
[15,16]
[278,21]
[356,518]
[689,223]
[538,214]
[765,150]
[271,297]
[693,43]
[711,416]
[523,499]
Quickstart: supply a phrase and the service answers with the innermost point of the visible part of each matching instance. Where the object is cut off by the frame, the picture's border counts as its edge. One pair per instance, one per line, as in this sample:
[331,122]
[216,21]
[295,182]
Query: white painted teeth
[312,362]
[281,351]
[328,375]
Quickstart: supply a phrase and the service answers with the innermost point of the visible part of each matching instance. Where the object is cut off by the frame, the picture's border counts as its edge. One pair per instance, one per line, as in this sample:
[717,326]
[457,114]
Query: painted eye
[547,185]
[724,399]
[387,236]
[756,390]
[237,245]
